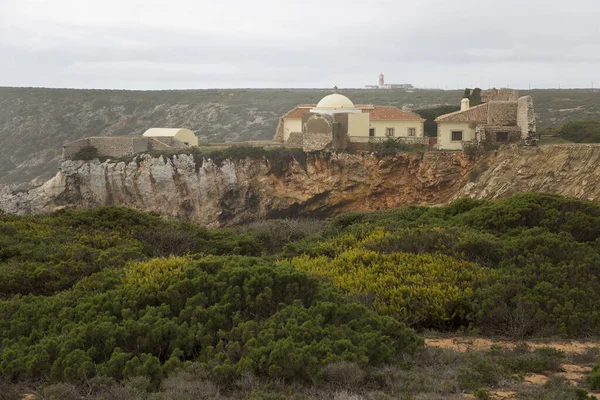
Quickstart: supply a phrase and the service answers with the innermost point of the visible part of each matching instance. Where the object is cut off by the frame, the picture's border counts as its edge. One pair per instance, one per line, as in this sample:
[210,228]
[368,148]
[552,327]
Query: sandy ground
[575,373]
[465,344]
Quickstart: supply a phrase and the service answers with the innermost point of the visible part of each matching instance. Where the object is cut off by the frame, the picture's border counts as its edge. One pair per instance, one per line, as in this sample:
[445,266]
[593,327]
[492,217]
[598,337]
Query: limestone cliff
[234,191]
[568,169]
[231,192]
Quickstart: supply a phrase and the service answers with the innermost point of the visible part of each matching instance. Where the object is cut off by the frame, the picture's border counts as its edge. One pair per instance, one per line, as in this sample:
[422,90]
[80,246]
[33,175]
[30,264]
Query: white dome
[335,101]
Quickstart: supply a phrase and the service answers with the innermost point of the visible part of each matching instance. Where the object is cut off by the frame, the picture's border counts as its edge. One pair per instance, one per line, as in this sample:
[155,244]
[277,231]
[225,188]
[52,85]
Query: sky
[196,44]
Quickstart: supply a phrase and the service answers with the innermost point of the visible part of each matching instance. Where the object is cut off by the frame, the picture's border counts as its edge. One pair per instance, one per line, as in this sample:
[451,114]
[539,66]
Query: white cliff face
[235,191]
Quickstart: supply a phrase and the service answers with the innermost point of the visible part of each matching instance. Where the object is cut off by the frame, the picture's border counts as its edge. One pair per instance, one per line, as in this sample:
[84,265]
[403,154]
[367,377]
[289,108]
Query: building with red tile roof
[362,122]
[502,118]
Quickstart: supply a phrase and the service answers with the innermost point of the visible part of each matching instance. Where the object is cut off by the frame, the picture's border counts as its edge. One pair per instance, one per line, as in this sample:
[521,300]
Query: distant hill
[36,122]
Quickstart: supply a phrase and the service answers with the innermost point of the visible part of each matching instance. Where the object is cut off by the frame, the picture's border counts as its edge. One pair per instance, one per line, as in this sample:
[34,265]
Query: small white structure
[182,134]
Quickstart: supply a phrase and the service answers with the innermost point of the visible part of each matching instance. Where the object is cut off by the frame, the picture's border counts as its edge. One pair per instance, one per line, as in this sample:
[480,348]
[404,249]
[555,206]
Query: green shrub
[430,114]
[273,235]
[233,314]
[471,149]
[482,394]
[391,146]
[86,153]
[581,131]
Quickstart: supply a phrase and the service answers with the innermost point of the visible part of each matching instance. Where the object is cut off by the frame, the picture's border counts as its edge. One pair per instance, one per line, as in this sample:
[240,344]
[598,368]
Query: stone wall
[121,146]
[279,132]
[295,140]
[318,131]
[314,141]
[494,132]
[526,117]
[502,113]
[499,95]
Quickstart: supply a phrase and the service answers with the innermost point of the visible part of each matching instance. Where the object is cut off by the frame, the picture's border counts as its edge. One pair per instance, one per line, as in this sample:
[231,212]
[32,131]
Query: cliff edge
[220,193]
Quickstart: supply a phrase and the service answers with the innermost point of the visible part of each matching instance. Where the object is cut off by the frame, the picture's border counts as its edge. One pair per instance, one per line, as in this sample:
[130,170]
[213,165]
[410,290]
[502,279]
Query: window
[371,131]
[457,136]
[412,131]
[389,132]
[501,136]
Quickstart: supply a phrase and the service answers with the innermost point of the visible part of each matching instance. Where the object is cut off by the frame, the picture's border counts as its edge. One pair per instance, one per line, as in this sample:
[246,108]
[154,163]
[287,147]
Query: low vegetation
[430,114]
[580,131]
[112,303]
[391,146]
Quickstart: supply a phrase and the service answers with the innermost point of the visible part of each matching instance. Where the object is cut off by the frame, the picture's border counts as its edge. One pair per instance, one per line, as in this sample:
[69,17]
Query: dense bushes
[422,289]
[232,314]
[45,254]
[124,302]
[581,131]
[539,253]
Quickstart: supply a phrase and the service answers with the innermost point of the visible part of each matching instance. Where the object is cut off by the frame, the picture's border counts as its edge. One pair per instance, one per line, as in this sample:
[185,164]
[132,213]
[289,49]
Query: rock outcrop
[568,169]
[217,194]
[325,184]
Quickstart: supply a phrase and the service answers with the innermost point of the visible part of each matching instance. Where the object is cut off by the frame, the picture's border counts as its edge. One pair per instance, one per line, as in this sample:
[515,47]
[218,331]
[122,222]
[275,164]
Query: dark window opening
[371,131]
[457,136]
[502,136]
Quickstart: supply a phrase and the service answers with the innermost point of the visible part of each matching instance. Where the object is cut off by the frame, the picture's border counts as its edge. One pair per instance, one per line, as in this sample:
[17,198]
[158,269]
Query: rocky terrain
[235,191]
[35,122]
[568,169]
[225,192]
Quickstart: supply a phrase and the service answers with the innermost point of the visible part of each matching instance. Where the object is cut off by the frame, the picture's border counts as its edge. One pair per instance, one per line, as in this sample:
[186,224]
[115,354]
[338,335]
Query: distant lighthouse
[381,80]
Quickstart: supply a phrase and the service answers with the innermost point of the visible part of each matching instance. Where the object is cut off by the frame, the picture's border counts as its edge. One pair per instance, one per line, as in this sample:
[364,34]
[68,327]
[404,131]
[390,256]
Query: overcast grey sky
[188,44]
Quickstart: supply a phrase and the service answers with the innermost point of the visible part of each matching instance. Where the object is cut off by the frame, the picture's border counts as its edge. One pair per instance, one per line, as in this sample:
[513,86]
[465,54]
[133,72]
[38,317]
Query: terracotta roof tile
[381,113]
[474,114]
[299,111]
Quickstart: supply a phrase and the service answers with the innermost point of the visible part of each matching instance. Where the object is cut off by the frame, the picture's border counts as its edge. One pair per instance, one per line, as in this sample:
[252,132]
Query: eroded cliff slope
[568,169]
[218,193]
[229,192]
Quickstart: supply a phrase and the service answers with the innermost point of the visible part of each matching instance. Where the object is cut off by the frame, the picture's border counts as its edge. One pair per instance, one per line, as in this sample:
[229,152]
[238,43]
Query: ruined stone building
[123,146]
[502,117]
[335,122]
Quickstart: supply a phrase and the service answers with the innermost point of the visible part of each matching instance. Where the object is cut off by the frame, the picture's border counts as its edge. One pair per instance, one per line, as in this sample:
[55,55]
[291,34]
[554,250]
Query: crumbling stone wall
[279,132]
[502,113]
[526,117]
[492,133]
[317,141]
[121,146]
[317,131]
[296,139]
[499,95]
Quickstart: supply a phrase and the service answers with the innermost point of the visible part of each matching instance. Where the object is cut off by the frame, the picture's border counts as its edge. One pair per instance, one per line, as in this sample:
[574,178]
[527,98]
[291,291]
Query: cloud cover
[186,44]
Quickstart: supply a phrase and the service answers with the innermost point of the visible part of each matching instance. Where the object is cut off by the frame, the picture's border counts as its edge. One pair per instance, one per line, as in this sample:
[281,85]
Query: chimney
[464,104]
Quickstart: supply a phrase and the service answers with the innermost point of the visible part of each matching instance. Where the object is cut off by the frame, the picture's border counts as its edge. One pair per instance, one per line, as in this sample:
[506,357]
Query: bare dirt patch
[575,370]
[482,344]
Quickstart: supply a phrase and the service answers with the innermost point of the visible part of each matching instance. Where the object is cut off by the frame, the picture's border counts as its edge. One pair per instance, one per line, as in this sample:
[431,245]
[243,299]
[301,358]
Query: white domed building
[336,122]
[335,103]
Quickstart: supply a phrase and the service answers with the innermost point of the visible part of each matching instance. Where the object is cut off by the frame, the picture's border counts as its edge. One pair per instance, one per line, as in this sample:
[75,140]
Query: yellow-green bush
[156,273]
[424,289]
